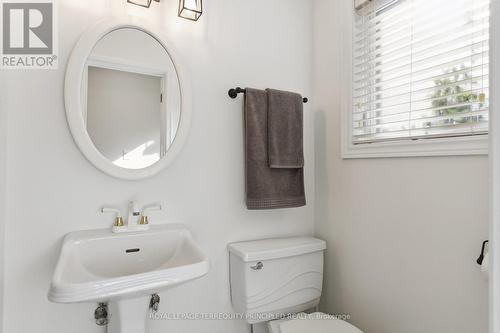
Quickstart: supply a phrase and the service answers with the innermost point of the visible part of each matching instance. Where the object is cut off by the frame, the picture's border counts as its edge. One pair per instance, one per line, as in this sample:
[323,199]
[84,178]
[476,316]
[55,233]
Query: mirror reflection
[131,98]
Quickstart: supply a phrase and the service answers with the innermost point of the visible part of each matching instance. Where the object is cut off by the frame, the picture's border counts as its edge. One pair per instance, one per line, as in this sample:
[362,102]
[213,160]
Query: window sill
[454,146]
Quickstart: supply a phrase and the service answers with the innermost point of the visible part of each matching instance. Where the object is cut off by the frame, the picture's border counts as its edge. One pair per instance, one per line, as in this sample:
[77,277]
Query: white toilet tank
[275,276]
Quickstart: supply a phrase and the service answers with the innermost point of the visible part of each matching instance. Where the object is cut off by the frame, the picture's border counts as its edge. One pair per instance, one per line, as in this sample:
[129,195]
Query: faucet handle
[110,210]
[151,207]
[144,217]
[118,219]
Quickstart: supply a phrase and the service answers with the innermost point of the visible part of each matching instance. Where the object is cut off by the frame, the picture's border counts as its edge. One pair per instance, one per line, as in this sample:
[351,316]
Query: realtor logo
[28,34]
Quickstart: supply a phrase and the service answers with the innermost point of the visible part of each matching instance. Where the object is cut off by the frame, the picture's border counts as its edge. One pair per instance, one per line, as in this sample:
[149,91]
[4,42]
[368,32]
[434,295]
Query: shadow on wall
[3,196]
[324,215]
[322,195]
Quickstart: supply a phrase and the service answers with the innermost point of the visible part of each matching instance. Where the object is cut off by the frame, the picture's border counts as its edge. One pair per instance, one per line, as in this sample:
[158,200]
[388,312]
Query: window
[419,70]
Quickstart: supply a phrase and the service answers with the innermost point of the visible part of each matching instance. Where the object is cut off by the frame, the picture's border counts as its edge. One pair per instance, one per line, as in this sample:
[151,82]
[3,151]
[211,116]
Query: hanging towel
[266,188]
[284,129]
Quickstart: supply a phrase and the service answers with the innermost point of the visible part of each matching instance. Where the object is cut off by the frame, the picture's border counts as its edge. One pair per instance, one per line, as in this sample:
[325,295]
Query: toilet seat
[310,323]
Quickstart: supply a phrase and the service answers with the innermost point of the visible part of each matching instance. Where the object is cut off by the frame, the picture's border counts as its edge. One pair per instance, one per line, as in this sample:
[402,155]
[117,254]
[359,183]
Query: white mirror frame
[74,108]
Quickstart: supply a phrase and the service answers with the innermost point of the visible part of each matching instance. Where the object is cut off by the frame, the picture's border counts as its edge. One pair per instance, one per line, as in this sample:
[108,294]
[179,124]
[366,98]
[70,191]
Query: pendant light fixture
[190,9]
[142,3]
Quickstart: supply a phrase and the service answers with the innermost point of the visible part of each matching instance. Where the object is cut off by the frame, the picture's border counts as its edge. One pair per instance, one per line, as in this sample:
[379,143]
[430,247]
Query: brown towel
[284,129]
[266,188]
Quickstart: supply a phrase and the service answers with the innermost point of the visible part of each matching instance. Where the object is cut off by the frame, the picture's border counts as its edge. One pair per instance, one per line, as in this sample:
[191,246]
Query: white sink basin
[101,266]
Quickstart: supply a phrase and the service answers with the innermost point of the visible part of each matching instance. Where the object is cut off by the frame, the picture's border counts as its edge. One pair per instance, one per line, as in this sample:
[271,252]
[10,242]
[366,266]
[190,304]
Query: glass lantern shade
[142,3]
[190,9]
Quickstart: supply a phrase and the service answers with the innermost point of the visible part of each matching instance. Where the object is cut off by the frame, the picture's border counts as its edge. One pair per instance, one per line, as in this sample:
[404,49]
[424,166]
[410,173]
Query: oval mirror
[124,101]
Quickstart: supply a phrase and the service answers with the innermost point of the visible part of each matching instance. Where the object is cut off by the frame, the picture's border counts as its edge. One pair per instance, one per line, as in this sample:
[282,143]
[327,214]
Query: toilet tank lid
[274,248]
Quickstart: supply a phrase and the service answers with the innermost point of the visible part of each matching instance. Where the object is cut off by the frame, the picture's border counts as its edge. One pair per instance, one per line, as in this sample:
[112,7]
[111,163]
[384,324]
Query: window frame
[447,146]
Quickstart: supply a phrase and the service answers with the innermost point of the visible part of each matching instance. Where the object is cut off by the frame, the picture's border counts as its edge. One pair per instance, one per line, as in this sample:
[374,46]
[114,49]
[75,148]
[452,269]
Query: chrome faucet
[133,214]
[137,219]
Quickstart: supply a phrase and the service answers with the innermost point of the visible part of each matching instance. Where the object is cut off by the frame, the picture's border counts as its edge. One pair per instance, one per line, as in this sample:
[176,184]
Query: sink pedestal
[128,315]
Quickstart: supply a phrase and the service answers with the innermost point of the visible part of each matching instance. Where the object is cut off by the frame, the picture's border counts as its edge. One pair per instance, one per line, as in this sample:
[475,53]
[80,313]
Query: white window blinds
[420,69]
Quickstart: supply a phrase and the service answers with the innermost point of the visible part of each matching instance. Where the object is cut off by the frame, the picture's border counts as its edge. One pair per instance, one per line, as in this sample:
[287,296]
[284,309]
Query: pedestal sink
[125,269]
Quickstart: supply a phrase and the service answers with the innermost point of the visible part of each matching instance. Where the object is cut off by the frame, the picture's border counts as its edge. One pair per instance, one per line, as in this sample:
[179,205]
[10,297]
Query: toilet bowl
[273,278]
[312,323]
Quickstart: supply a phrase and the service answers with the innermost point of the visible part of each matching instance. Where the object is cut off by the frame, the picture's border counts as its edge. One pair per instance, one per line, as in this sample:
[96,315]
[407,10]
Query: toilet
[274,280]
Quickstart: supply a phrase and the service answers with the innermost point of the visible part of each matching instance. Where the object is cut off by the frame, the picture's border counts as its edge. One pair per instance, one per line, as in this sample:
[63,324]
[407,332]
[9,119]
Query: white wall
[53,190]
[403,234]
[494,295]
[3,185]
